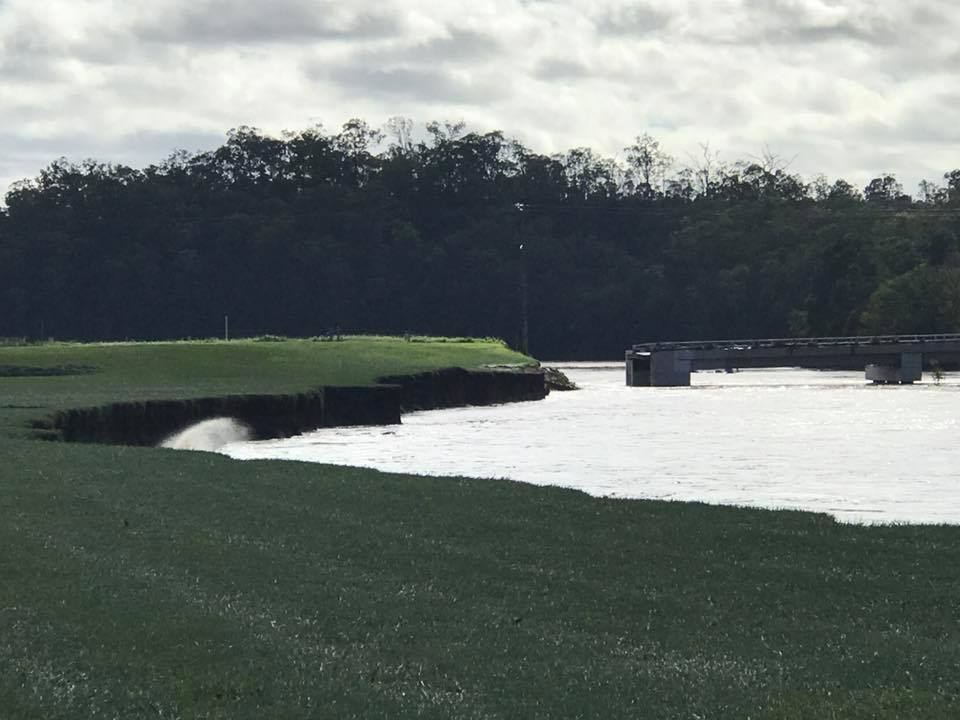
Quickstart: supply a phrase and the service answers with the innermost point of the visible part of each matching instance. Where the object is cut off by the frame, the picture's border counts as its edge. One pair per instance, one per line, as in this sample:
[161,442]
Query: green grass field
[138,582]
[110,372]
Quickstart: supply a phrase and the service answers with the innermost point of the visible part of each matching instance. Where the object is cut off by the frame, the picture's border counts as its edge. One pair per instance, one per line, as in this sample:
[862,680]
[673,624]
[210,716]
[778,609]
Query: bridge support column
[911,367]
[670,368]
[638,370]
[909,371]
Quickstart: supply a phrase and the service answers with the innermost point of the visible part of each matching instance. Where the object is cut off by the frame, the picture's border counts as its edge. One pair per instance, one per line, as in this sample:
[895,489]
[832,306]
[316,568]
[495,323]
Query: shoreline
[271,416]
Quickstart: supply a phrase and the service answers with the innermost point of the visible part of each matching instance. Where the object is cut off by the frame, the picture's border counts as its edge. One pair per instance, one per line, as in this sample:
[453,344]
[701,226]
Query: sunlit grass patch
[69,375]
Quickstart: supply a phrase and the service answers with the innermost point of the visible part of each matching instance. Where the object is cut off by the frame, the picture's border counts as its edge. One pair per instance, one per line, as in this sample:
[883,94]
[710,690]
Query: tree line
[467,233]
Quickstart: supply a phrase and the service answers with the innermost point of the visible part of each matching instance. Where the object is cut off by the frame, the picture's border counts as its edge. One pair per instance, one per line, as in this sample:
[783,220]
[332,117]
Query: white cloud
[851,89]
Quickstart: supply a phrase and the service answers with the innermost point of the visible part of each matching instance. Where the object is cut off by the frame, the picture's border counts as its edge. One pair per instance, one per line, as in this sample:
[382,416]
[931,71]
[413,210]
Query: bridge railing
[752,344]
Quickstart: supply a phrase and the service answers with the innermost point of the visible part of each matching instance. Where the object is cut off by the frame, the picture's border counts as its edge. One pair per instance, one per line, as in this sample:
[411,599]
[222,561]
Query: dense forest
[465,233]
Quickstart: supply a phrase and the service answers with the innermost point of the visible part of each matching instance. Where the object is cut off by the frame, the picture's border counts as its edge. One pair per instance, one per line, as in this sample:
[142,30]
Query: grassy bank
[36,380]
[148,583]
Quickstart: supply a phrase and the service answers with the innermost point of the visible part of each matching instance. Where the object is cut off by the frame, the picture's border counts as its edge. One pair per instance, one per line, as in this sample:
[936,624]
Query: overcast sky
[848,88]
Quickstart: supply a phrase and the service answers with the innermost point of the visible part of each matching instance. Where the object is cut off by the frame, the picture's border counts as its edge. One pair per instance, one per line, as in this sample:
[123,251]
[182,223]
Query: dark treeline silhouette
[316,231]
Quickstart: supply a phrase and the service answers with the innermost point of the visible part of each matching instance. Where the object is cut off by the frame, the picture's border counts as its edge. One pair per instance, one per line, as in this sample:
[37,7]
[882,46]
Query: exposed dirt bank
[272,416]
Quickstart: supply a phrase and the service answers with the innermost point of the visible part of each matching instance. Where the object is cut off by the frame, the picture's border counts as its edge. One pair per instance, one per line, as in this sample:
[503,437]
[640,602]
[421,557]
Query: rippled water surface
[824,441]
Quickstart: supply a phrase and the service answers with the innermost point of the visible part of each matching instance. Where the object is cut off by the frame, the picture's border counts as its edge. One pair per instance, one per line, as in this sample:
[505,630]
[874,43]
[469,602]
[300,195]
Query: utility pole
[524,315]
[226,327]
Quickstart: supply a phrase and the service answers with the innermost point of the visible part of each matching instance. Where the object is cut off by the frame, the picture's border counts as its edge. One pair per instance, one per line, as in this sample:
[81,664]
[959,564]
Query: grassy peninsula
[139,582]
[36,380]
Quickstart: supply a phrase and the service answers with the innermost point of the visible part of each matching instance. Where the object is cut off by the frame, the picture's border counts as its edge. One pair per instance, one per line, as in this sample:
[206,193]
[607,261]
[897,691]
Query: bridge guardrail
[755,343]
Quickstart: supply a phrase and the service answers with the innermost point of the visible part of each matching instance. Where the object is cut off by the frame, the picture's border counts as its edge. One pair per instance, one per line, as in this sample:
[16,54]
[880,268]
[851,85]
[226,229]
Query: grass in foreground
[139,582]
[149,583]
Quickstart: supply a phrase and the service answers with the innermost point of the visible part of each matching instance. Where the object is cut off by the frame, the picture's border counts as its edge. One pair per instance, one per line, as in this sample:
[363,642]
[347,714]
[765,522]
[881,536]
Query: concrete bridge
[885,358]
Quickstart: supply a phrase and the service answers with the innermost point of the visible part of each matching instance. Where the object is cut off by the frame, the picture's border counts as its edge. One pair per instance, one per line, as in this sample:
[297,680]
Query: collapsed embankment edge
[149,422]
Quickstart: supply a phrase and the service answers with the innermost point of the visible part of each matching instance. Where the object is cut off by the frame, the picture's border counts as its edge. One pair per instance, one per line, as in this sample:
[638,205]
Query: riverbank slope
[136,393]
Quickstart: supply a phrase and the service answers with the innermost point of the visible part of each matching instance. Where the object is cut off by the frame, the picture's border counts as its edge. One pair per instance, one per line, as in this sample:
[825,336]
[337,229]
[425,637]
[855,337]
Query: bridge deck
[670,363]
[803,342]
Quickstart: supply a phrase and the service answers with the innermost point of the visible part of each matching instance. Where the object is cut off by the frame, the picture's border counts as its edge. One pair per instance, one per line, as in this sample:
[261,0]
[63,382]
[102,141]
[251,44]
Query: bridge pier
[667,368]
[638,370]
[909,371]
[670,368]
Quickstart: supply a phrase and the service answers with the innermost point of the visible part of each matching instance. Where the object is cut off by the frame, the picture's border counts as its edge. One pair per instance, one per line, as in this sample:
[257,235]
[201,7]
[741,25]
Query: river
[785,438]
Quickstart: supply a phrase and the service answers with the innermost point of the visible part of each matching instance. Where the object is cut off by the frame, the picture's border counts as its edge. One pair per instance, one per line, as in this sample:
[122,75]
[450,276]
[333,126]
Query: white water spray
[210,435]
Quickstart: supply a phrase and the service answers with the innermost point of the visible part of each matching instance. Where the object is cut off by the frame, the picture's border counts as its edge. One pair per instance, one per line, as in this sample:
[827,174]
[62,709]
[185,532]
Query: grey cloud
[21,69]
[110,47]
[826,100]
[421,70]
[429,86]
[551,69]
[129,87]
[871,31]
[28,55]
[907,66]
[933,124]
[635,20]
[30,49]
[458,45]
[226,22]
[928,17]
[792,22]
[642,70]
[706,108]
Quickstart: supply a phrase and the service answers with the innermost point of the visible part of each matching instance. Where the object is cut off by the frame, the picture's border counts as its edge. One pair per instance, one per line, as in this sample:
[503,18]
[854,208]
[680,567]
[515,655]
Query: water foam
[210,435]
